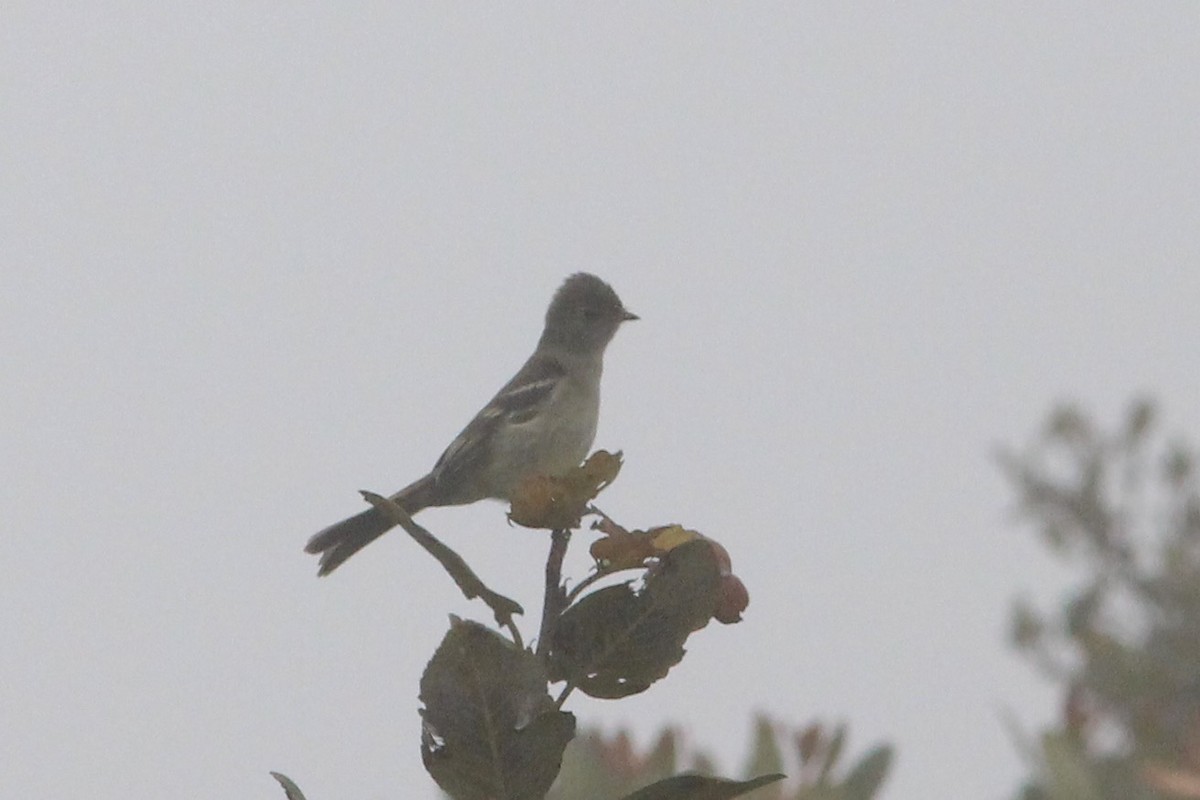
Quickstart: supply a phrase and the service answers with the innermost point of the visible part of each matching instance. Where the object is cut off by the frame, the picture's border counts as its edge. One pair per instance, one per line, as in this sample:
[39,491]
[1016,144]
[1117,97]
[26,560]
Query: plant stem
[555,600]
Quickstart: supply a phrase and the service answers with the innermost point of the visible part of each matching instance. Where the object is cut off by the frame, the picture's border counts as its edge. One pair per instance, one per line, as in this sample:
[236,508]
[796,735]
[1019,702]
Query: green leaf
[290,789]
[490,730]
[616,642]
[868,774]
[700,787]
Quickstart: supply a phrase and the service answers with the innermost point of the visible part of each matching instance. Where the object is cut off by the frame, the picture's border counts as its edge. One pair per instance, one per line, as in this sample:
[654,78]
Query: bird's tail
[343,539]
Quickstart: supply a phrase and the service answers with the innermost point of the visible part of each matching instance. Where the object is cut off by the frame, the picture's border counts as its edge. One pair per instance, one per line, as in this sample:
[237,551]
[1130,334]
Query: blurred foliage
[596,767]
[1122,507]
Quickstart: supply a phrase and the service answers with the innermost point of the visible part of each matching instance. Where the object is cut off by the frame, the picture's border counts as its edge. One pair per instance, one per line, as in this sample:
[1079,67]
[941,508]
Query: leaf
[621,549]
[290,789]
[558,502]
[490,730]
[699,787]
[616,642]
[868,774]
[601,468]
[668,537]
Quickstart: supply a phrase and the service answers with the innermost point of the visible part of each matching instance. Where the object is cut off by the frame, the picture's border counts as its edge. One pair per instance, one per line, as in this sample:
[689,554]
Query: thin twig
[452,562]
[515,632]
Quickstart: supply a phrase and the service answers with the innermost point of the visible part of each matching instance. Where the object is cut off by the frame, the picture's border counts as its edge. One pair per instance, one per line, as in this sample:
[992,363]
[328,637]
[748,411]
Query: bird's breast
[552,441]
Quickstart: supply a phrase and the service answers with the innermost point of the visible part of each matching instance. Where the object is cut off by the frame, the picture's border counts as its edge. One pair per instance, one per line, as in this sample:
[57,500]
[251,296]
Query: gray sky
[257,257]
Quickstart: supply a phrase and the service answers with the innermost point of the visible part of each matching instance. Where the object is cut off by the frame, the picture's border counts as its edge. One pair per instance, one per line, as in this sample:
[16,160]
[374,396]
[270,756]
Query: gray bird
[542,422]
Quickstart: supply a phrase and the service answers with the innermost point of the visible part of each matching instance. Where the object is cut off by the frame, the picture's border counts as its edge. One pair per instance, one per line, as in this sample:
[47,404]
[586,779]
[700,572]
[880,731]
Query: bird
[542,422]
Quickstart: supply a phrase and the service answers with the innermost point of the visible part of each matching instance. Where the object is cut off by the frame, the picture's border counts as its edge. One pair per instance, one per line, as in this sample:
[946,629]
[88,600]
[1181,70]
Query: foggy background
[257,256]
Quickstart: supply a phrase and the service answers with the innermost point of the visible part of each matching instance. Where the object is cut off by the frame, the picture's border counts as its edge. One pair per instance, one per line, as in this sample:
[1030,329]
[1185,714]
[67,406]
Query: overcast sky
[256,256]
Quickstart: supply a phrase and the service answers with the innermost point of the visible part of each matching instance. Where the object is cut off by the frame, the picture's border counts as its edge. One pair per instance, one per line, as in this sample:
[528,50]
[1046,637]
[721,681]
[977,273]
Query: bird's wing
[518,401]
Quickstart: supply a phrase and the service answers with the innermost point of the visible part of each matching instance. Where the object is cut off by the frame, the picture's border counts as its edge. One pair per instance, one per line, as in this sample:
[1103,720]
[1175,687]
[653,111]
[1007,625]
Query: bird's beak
[629,316]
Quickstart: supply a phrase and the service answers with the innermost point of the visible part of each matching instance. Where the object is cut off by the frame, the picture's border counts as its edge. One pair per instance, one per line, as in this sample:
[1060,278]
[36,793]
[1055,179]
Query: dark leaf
[699,787]
[290,789]
[490,730]
[616,642]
